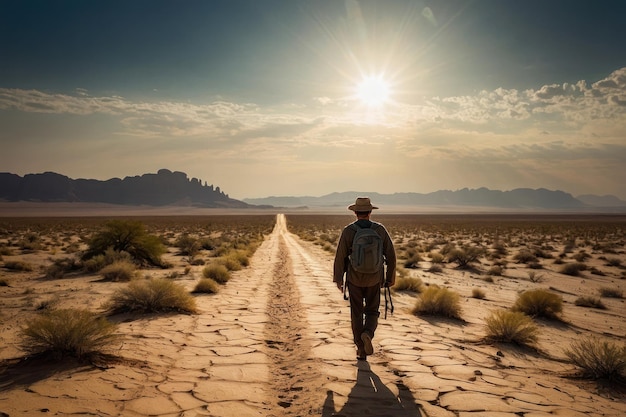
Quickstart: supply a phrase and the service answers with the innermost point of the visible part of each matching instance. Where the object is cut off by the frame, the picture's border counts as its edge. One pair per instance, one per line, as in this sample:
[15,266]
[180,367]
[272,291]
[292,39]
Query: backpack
[367,249]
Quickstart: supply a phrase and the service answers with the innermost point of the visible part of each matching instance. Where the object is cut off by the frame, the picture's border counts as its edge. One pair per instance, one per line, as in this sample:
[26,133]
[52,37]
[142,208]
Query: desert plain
[275,339]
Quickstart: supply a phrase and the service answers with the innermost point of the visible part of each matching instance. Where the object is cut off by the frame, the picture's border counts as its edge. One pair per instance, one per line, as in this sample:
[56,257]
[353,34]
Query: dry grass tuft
[435,301]
[68,332]
[217,272]
[539,303]
[598,359]
[154,295]
[590,302]
[410,284]
[119,271]
[478,293]
[207,286]
[611,292]
[511,327]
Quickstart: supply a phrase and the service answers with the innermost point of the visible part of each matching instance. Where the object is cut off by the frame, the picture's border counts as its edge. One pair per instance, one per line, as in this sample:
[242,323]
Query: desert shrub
[206,285]
[30,242]
[18,266]
[237,258]
[60,266]
[478,293]
[436,301]
[534,277]
[436,257]
[107,258]
[495,270]
[573,268]
[153,295]
[4,282]
[596,271]
[217,272]
[435,268]
[611,292]
[489,279]
[413,261]
[535,265]
[188,245]
[68,332]
[590,302]
[500,249]
[6,251]
[410,284]
[197,261]
[539,303]
[598,359]
[119,271]
[511,327]
[231,264]
[581,256]
[525,256]
[127,236]
[613,262]
[465,256]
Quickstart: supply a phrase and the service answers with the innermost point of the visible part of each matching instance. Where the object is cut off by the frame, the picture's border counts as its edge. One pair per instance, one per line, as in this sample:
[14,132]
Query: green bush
[511,327]
[206,285]
[539,303]
[68,332]
[436,301]
[127,236]
[119,271]
[598,359]
[154,295]
[216,272]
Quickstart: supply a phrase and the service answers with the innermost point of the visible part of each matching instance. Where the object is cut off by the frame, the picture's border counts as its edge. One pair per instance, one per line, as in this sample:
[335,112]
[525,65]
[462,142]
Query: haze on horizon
[295,97]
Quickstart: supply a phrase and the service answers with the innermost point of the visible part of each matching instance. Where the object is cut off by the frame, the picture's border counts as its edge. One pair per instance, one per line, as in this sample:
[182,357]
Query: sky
[309,97]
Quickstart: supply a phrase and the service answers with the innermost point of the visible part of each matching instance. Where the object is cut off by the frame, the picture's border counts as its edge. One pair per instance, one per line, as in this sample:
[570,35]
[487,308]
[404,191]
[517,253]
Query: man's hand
[339,285]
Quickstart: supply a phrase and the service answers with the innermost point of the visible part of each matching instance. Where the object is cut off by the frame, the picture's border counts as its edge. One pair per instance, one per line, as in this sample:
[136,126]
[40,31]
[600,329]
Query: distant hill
[520,198]
[160,189]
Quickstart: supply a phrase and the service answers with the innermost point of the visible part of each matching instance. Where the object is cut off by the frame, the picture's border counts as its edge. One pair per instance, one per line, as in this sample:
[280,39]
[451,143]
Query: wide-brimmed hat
[362,204]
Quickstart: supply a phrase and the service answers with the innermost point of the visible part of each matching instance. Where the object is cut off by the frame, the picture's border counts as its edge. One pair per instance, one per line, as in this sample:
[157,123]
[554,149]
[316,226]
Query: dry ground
[275,340]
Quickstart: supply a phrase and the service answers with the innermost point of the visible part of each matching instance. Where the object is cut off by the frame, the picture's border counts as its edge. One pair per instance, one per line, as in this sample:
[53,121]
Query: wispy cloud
[570,134]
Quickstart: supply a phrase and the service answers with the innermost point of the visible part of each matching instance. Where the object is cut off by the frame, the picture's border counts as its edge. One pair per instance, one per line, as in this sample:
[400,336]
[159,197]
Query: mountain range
[517,199]
[167,188]
[160,189]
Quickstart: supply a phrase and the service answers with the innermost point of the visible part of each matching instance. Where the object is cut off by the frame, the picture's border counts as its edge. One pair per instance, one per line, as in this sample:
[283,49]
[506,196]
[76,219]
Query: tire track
[293,373]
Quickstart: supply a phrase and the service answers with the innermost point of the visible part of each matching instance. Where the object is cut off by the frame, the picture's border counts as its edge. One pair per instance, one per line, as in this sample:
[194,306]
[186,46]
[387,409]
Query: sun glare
[373,91]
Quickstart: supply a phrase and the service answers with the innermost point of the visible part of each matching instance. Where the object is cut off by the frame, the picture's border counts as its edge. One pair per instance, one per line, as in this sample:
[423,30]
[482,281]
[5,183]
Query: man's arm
[390,260]
[339,267]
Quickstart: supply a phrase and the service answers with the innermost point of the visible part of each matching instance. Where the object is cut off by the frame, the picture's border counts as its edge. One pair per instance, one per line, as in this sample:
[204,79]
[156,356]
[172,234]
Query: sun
[373,90]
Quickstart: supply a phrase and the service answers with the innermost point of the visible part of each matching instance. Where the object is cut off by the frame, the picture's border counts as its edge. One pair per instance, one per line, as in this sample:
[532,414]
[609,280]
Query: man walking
[364,284]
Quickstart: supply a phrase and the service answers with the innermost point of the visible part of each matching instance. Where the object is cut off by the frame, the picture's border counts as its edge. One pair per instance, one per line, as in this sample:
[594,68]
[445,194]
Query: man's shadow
[370,397]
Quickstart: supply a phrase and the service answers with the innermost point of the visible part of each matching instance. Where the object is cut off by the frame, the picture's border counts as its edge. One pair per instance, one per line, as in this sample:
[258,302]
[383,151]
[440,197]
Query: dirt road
[275,341]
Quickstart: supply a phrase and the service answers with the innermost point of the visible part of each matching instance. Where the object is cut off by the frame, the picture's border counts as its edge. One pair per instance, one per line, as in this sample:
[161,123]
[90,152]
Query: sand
[275,341]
